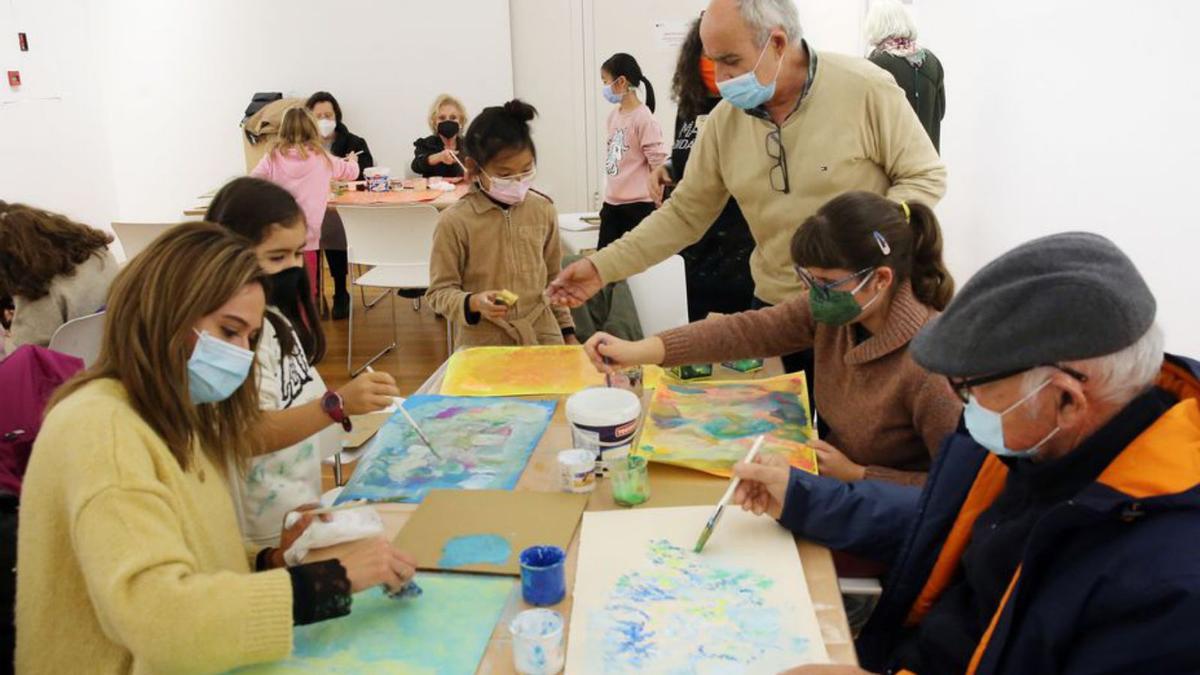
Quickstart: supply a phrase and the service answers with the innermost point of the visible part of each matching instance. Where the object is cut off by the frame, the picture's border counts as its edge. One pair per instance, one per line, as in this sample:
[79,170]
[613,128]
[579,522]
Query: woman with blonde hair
[53,268]
[299,163]
[129,555]
[438,155]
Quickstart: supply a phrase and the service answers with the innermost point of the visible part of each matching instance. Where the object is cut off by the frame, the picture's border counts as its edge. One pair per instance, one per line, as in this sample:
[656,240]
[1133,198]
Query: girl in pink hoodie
[299,164]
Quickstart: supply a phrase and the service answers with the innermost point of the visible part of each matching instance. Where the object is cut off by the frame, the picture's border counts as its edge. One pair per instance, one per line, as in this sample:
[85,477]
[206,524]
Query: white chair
[135,237]
[80,337]
[396,242]
[660,296]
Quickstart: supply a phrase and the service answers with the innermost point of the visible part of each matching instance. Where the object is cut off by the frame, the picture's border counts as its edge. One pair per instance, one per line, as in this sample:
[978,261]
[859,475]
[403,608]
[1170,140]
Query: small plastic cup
[577,470]
[537,636]
[629,378]
[543,575]
[630,481]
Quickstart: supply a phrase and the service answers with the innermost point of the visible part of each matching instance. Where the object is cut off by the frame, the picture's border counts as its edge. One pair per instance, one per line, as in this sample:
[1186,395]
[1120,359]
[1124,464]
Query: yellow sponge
[507,298]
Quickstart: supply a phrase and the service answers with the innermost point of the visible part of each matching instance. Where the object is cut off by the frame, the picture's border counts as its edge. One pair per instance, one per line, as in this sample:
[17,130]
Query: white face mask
[326,127]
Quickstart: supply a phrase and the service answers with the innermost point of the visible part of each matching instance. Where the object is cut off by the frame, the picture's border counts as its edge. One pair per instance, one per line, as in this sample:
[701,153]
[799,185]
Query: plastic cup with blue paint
[537,642]
[543,575]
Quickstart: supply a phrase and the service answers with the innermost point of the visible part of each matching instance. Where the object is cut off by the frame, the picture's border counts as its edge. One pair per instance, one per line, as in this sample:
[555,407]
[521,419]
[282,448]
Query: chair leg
[337,469]
[350,322]
[385,350]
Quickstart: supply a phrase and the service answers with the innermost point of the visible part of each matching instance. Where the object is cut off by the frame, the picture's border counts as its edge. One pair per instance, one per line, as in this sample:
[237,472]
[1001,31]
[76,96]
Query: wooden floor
[420,349]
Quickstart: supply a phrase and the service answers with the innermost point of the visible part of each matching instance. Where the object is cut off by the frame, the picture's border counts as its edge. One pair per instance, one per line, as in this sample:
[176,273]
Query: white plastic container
[605,421]
[577,469]
[537,642]
[378,178]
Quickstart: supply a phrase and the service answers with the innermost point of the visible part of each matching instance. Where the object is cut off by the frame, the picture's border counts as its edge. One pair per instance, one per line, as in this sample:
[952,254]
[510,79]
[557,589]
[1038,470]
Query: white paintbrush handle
[737,480]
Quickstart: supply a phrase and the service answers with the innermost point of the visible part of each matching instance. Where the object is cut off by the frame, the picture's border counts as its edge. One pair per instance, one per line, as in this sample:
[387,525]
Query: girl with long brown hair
[874,273]
[129,554]
[54,269]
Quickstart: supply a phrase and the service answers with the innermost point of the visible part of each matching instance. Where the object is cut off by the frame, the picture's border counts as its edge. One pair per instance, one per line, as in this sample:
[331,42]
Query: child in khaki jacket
[502,236]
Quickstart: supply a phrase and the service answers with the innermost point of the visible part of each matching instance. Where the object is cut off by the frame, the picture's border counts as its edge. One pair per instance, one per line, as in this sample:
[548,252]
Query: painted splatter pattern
[681,615]
[710,426]
[483,443]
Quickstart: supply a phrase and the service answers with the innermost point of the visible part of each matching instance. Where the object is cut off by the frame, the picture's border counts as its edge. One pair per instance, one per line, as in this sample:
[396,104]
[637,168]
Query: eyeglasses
[807,280]
[779,172]
[962,387]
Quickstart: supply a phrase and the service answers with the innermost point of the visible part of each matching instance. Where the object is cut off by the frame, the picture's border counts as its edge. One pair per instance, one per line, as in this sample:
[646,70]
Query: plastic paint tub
[577,470]
[604,420]
[537,636]
[378,178]
[543,575]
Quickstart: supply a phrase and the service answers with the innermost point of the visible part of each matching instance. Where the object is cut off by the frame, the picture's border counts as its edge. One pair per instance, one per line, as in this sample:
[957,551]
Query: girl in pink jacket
[299,164]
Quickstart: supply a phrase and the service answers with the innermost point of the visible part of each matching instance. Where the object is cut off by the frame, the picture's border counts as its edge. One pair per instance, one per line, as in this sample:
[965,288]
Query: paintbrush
[733,484]
[416,427]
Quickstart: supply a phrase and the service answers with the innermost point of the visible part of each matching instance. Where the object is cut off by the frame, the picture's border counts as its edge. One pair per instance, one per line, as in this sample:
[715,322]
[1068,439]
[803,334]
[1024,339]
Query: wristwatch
[333,406]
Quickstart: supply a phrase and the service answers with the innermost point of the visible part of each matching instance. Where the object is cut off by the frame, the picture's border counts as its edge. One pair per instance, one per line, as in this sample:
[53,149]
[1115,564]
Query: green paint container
[630,481]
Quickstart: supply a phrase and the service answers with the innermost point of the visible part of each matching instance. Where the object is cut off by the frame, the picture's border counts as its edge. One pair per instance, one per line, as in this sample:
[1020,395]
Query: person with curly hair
[53,268]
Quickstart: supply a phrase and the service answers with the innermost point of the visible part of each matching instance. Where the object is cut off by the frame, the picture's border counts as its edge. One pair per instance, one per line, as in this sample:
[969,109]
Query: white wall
[179,74]
[53,146]
[1074,115]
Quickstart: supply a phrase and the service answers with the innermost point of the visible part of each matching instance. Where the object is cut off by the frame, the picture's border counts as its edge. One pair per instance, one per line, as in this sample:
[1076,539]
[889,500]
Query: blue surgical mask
[987,427]
[216,369]
[745,91]
[610,95]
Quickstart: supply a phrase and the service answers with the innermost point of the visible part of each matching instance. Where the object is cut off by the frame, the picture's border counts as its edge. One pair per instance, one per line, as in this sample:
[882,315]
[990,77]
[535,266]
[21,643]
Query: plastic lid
[603,406]
[377,171]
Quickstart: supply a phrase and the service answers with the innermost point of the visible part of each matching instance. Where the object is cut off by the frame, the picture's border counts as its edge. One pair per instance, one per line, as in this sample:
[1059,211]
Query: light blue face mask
[216,369]
[745,91]
[610,95]
[987,427]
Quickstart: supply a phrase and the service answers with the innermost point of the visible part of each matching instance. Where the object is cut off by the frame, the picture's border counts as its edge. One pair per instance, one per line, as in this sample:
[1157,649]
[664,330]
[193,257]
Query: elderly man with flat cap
[1059,530]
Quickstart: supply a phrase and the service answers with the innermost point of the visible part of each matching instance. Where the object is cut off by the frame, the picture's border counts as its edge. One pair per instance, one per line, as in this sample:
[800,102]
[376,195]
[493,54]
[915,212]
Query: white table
[576,234]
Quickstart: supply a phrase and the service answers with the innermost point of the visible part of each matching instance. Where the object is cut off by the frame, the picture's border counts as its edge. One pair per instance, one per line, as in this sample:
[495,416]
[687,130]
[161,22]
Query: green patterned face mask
[836,308]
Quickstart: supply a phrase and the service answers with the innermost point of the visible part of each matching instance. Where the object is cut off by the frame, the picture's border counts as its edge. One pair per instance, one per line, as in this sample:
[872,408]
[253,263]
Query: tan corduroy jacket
[480,246]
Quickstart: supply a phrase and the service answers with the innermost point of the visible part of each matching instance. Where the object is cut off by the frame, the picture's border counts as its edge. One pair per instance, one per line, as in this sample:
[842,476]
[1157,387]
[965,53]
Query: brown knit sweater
[883,410]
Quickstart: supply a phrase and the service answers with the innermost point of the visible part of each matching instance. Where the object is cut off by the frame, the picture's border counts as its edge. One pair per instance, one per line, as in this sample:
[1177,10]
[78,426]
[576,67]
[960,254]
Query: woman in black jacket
[437,155]
[717,267]
[340,142]
[893,39]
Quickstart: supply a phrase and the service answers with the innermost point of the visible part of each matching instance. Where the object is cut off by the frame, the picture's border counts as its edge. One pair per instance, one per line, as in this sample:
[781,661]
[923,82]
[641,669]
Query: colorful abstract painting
[480,443]
[519,371]
[445,630]
[709,426]
[645,603]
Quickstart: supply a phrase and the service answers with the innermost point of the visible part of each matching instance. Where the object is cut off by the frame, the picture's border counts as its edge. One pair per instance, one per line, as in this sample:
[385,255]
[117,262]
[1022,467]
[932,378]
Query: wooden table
[439,199]
[669,486]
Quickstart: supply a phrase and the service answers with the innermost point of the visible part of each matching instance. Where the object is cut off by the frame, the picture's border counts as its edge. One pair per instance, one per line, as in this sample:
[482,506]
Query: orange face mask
[708,73]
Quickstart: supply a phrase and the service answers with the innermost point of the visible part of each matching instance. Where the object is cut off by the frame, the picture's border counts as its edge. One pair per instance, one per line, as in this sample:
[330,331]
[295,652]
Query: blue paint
[543,577]
[475,549]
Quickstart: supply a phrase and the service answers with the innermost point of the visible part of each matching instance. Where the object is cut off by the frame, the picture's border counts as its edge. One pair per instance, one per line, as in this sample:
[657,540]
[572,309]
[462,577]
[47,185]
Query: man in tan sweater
[831,123]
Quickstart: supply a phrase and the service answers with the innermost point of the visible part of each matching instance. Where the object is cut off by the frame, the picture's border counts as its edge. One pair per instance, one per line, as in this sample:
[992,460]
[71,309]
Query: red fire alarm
[14,78]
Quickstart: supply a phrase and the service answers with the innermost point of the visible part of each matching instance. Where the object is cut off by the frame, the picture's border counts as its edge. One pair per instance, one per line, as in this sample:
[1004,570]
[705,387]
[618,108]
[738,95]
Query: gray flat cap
[1060,298]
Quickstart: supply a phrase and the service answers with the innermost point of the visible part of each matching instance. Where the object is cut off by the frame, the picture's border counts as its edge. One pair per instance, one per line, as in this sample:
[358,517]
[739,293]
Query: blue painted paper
[482,443]
[446,630]
[475,549]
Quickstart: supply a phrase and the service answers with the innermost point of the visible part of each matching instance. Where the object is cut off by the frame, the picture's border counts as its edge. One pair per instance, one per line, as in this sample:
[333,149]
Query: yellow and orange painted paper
[710,426]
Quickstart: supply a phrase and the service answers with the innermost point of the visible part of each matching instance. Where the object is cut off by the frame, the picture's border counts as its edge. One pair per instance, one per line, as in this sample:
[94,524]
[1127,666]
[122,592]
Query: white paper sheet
[644,602]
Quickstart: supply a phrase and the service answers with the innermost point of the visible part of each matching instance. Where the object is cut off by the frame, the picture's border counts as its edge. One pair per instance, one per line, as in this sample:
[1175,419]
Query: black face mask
[285,290]
[447,129]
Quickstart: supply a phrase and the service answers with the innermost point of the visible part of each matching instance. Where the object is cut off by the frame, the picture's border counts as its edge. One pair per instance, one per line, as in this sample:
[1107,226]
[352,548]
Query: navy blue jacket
[1109,580]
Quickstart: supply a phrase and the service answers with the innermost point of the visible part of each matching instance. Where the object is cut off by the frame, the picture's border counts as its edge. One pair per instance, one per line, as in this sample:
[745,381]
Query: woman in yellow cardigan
[129,555]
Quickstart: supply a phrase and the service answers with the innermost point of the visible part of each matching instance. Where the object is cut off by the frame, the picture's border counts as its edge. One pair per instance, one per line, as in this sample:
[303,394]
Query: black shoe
[341,306]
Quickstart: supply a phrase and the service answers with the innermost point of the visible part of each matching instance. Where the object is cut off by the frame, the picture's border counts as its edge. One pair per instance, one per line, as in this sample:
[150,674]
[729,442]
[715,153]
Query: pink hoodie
[308,181]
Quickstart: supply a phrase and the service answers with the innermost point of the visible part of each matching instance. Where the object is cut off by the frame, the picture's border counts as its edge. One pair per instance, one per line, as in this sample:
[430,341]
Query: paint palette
[486,530]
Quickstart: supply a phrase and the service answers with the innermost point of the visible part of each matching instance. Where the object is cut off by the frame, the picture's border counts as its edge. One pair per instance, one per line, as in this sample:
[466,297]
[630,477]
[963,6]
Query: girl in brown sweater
[874,273]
